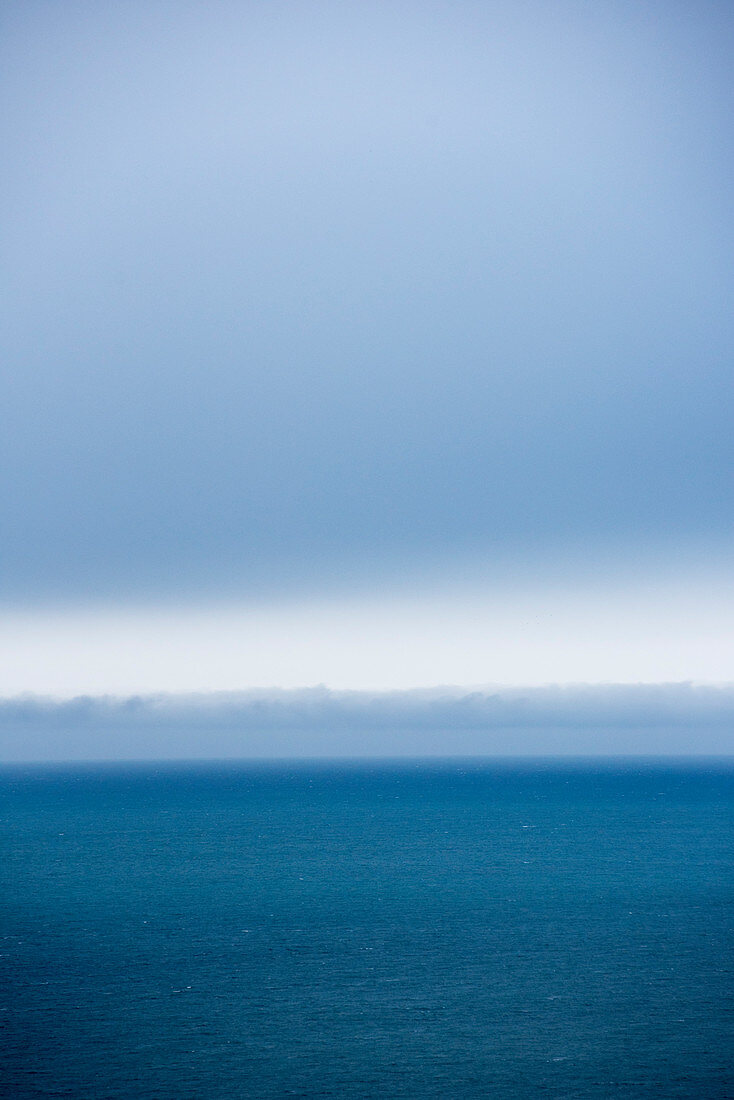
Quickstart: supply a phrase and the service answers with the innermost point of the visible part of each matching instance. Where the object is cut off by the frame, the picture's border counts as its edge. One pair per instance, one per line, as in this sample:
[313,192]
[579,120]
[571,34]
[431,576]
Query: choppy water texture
[382,930]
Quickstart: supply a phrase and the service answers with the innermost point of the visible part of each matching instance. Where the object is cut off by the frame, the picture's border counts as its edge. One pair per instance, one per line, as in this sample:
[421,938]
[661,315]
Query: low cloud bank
[599,719]
[312,708]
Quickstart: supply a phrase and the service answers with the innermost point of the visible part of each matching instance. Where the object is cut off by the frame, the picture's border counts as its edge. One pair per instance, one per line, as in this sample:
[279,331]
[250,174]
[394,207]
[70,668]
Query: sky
[372,345]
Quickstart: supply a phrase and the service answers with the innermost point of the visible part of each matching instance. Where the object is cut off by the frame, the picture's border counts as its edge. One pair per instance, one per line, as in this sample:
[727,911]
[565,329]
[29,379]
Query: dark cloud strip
[610,719]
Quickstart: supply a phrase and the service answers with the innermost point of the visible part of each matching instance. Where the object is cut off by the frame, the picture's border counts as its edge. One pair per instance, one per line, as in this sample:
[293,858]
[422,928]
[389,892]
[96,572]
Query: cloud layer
[597,719]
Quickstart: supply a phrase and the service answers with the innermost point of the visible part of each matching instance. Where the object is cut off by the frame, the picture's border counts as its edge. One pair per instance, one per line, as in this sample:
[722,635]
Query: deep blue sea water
[416,929]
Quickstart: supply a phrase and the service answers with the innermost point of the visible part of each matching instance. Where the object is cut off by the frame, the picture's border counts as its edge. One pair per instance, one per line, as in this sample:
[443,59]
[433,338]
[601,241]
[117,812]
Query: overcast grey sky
[310,299]
[297,287]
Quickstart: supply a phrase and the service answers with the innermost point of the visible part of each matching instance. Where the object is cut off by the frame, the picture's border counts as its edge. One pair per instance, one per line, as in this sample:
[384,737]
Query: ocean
[420,929]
